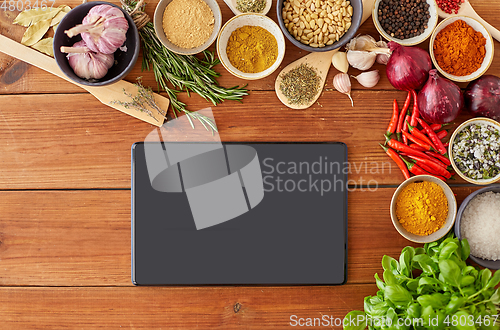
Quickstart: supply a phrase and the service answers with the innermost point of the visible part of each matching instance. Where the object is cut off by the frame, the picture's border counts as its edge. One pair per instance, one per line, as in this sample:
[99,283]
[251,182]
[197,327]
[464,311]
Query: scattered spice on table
[476,151]
[251,6]
[449,6]
[188,23]
[422,208]
[459,49]
[252,49]
[300,85]
[404,19]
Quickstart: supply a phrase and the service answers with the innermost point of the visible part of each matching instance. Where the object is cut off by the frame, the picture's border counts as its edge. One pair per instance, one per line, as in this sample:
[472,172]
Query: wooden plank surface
[76,142]
[82,238]
[20,78]
[65,200]
[255,308]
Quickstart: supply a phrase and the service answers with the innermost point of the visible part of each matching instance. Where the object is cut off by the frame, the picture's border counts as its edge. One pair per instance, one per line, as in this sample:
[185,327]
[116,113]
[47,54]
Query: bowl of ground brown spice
[461,48]
[187,27]
[423,209]
[251,46]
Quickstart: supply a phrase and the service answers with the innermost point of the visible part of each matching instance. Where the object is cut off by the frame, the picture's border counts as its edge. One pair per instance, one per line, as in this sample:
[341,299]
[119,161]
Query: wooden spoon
[467,10]
[105,94]
[232,5]
[321,61]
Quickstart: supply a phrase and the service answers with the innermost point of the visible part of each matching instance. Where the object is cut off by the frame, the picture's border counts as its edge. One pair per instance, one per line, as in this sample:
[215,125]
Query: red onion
[482,97]
[440,101]
[408,67]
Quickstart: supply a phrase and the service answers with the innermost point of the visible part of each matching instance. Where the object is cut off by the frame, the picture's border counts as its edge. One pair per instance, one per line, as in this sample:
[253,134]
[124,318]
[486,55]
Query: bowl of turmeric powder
[447,51]
[251,46]
[423,209]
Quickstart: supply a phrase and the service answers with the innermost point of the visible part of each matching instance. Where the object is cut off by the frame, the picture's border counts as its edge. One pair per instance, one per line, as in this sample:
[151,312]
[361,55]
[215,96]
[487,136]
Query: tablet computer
[265,214]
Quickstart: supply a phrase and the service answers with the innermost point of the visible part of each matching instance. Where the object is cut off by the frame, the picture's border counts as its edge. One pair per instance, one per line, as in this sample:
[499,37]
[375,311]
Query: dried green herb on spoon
[184,73]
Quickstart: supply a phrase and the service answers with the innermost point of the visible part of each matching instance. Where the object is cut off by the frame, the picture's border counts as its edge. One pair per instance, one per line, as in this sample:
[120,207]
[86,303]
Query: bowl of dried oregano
[187,27]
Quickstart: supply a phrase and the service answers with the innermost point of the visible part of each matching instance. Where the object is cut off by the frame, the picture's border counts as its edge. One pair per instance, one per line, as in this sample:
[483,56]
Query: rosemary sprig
[184,73]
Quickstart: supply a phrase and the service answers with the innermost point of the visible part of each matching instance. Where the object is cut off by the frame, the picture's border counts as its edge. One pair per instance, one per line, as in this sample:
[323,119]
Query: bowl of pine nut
[319,25]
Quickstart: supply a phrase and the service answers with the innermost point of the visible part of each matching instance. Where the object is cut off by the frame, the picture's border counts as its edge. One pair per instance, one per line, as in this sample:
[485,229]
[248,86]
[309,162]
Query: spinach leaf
[450,271]
[493,282]
[398,295]
[426,263]
[465,248]
[448,250]
[454,304]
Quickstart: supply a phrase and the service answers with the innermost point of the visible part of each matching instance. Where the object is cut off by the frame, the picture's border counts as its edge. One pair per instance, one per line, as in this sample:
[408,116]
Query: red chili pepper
[427,168]
[438,168]
[442,134]
[437,142]
[404,148]
[446,144]
[394,119]
[419,135]
[397,160]
[437,127]
[417,147]
[405,128]
[417,141]
[414,116]
[414,168]
[402,116]
[440,157]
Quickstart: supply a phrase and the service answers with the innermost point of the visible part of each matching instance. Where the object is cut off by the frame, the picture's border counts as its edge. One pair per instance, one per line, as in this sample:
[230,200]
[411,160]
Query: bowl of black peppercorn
[407,22]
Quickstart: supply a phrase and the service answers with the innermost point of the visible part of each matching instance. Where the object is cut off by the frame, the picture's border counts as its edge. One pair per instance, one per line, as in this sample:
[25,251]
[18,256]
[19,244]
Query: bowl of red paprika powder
[447,48]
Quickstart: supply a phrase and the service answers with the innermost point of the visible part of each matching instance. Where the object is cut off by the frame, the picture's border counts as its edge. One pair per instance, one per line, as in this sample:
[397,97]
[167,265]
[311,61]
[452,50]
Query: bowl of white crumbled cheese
[478,220]
[475,151]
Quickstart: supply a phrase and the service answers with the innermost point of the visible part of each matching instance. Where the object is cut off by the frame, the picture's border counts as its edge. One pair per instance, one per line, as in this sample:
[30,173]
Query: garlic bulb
[339,61]
[368,79]
[367,43]
[103,29]
[342,83]
[361,60]
[87,64]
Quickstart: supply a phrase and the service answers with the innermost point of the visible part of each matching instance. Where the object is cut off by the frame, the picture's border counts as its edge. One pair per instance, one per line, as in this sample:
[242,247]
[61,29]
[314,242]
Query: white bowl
[476,25]
[158,24]
[252,20]
[410,41]
[479,120]
[450,220]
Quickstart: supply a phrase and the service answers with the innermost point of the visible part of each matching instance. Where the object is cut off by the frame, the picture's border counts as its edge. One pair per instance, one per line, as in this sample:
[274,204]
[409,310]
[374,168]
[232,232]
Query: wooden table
[65,200]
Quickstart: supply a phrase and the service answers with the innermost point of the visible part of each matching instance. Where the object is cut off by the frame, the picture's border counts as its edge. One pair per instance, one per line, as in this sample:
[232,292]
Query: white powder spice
[480,224]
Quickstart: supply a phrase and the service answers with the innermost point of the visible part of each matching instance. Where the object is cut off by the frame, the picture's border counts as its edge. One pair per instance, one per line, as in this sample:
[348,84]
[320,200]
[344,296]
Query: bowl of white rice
[478,220]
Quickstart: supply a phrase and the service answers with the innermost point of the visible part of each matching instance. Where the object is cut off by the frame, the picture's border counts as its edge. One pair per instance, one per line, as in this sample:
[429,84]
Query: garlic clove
[361,60]
[342,83]
[383,59]
[339,61]
[368,79]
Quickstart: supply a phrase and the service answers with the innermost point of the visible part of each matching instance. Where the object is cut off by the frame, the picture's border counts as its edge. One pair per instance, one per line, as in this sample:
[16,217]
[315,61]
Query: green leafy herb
[446,294]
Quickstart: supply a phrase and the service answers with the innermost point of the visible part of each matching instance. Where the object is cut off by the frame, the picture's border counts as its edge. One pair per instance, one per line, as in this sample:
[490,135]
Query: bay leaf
[35,32]
[45,46]
[35,15]
[60,15]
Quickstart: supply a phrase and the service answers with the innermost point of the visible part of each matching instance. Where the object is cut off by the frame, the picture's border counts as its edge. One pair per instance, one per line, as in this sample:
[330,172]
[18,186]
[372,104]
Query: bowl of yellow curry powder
[251,46]
[423,209]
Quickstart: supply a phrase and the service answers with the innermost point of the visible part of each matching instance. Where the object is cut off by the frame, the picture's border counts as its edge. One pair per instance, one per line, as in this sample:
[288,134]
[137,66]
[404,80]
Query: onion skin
[482,97]
[408,67]
[440,101]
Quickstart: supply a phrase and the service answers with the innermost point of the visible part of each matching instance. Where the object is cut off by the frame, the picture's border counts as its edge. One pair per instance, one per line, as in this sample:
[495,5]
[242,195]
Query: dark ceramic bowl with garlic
[125,57]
